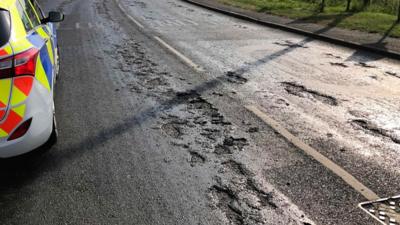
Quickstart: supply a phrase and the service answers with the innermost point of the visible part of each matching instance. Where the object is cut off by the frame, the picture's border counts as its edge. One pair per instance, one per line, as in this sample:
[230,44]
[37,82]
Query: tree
[348,5]
[398,14]
[322,6]
[366,3]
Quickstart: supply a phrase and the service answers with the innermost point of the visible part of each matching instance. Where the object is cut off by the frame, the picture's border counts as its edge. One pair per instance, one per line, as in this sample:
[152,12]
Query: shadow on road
[335,20]
[381,44]
[293,46]
[15,171]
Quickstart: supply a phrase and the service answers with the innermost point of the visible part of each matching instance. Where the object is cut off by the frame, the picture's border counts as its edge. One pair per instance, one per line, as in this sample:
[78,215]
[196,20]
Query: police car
[29,65]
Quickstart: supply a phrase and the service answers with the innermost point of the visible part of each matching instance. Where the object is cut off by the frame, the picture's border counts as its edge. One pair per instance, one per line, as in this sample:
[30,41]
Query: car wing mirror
[54,17]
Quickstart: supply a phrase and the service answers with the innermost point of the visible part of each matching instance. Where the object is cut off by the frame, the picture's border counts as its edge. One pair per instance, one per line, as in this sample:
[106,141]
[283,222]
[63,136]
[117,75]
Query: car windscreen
[5,27]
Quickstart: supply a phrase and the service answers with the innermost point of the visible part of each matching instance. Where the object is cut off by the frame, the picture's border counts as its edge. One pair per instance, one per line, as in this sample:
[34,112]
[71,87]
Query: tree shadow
[246,68]
[318,17]
[335,20]
[359,55]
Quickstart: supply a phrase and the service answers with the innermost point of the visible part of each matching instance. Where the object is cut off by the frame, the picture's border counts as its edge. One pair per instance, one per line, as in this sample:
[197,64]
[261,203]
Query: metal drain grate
[386,211]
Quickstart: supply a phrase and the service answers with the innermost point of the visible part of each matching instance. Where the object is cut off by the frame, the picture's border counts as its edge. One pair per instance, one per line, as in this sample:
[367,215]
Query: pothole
[290,44]
[200,103]
[186,95]
[196,158]
[265,199]
[333,56]
[303,92]
[226,201]
[235,167]
[373,129]
[235,77]
[231,145]
[156,82]
[338,64]
[211,133]
[174,129]
[365,65]
[393,74]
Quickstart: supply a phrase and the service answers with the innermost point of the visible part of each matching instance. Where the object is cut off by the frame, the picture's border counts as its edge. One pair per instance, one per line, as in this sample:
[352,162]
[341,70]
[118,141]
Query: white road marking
[77,26]
[179,55]
[129,16]
[162,42]
[347,177]
[90,25]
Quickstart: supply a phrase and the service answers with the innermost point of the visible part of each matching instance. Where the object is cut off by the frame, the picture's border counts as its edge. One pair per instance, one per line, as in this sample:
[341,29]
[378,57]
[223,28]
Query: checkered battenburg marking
[386,211]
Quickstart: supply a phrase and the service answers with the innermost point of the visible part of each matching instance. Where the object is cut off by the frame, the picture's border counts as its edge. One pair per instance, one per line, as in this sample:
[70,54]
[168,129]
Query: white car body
[29,64]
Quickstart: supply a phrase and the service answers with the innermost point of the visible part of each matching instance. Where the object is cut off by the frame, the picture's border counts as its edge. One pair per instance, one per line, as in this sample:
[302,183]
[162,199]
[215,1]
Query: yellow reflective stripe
[3,134]
[18,40]
[17,96]
[21,45]
[40,74]
[8,49]
[18,30]
[42,33]
[6,3]
[5,88]
[20,110]
[50,50]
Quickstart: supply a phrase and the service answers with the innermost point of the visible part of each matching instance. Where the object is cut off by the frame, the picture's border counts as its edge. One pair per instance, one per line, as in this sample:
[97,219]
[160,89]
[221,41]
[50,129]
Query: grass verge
[335,16]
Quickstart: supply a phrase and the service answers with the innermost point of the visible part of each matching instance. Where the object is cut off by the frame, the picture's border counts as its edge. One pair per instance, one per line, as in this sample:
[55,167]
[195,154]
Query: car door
[41,37]
[50,29]
[5,64]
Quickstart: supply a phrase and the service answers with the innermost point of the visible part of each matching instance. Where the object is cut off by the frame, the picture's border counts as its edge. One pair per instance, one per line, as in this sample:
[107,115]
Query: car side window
[25,20]
[30,12]
[5,27]
[38,9]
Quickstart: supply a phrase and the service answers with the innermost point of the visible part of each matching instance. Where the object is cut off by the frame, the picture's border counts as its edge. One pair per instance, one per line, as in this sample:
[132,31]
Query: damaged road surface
[155,127]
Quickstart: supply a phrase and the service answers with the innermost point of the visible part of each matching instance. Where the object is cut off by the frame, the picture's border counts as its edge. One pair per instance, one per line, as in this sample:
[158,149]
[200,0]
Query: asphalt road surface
[172,114]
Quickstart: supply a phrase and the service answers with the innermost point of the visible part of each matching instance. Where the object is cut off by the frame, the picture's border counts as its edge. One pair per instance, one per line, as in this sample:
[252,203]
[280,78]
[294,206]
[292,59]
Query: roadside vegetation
[374,16]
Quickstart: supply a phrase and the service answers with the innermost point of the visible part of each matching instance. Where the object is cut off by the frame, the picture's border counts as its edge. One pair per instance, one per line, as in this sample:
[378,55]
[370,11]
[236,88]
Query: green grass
[368,21]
